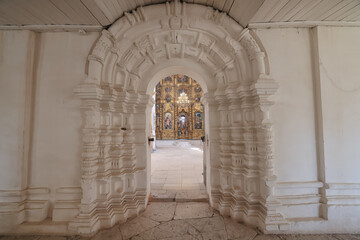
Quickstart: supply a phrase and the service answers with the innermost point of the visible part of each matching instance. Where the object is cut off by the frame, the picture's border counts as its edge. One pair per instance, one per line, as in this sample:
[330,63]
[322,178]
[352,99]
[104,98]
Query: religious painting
[181,90]
[197,89]
[182,122]
[182,126]
[168,98]
[197,99]
[183,79]
[158,121]
[168,79]
[168,89]
[168,121]
[198,120]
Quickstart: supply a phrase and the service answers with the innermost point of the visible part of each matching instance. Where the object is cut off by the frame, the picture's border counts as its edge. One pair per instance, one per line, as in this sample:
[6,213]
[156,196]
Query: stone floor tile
[52,238]
[195,196]
[163,196]
[210,228]
[193,210]
[77,237]
[308,237]
[109,234]
[158,180]
[210,224]
[136,238]
[157,186]
[160,212]
[178,165]
[267,237]
[184,237]
[219,235]
[237,230]
[174,176]
[173,181]
[171,186]
[189,180]
[189,187]
[136,226]
[176,229]
[347,236]
[18,237]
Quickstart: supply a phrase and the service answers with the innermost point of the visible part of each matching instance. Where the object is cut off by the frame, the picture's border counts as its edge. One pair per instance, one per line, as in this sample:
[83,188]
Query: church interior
[177,162]
[179,119]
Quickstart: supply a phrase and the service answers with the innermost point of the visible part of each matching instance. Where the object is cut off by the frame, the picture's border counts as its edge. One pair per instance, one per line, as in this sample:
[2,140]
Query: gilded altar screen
[179,112]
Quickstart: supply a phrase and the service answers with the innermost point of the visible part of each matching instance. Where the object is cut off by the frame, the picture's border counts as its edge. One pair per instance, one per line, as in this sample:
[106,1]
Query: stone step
[306,219]
[179,196]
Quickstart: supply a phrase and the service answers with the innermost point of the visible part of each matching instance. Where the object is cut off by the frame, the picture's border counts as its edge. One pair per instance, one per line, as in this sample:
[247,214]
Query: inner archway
[177,163]
[124,66]
[192,188]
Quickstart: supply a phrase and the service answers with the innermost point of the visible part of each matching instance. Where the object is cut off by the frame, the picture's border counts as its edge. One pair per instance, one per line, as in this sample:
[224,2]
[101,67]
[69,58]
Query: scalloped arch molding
[127,61]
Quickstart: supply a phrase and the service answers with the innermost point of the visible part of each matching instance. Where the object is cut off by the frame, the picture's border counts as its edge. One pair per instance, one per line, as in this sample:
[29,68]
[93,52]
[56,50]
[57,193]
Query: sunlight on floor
[197,149]
[177,168]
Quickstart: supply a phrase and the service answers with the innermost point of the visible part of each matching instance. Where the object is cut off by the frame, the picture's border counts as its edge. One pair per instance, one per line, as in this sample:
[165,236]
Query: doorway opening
[177,162]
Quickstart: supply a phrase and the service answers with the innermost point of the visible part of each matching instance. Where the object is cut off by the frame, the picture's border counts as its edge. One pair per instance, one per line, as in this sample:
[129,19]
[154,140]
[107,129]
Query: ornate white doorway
[124,66]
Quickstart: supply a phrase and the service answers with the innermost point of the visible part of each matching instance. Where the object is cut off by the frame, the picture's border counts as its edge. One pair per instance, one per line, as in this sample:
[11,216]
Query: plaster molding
[343,194]
[30,205]
[81,29]
[303,24]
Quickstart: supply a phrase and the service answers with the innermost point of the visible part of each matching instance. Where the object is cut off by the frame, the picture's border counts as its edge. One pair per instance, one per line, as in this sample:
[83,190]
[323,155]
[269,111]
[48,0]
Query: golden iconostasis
[179,118]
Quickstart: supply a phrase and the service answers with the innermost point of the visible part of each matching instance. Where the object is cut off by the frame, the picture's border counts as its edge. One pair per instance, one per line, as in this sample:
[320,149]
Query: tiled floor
[177,168]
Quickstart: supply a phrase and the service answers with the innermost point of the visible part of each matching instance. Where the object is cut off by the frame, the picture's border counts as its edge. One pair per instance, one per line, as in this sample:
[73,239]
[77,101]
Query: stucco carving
[114,107]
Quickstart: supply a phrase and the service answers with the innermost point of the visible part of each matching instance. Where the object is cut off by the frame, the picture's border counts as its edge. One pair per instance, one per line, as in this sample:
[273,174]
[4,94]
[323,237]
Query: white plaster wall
[54,160]
[339,63]
[289,53]
[56,153]
[15,98]
[316,124]
[291,63]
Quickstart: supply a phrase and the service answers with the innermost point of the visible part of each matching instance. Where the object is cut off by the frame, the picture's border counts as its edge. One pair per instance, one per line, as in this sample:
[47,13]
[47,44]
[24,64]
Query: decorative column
[272,220]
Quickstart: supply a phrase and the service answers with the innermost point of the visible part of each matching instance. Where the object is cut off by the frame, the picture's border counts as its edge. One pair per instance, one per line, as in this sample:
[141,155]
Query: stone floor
[179,208]
[177,168]
[184,220]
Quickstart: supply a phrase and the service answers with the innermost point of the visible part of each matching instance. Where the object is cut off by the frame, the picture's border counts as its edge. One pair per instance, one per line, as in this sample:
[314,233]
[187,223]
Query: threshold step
[179,196]
[306,219]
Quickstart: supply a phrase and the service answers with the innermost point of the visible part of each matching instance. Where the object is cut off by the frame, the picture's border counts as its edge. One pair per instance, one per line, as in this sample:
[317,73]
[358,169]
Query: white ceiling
[100,13]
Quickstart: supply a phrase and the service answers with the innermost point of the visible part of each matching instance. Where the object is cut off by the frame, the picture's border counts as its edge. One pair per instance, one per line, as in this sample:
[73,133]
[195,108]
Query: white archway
[125,64]
[174,69]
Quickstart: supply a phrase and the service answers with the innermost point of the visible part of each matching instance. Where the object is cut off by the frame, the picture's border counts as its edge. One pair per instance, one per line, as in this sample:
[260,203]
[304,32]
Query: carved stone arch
[123,68]
[190,69]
